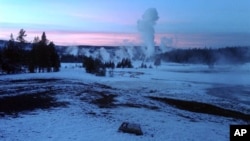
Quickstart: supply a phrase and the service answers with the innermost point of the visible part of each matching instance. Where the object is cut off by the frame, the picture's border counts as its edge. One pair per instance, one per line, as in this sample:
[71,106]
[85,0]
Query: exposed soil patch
[102,86]
[106,101]
[13,105]
[199,107]
[34,80]
[134,105]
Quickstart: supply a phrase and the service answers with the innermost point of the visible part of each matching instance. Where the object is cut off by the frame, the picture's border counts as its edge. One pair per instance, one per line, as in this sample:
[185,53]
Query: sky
[192,23]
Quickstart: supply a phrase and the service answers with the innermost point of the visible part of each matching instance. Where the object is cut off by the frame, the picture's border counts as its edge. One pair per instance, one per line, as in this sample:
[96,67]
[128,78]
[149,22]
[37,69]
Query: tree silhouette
[54,61]
[44,39]
[16,58]
[44,56]
[94,66]
[21,36]
[12,37]
[12,57]
[36,39]
[125,63]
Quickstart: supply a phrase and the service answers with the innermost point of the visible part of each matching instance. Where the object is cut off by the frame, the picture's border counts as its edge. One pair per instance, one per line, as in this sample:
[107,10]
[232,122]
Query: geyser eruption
[146,29]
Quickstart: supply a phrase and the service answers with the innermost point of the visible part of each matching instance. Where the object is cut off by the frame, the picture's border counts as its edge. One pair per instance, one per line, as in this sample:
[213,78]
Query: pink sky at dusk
[80,38]
[186,24]
[179,40]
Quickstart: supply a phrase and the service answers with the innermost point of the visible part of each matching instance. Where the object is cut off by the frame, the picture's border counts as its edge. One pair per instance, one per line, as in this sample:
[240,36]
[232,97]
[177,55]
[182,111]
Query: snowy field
[173,102]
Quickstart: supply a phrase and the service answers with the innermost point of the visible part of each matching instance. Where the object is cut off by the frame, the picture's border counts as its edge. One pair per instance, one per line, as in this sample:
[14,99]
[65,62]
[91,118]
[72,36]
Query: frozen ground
[171,102]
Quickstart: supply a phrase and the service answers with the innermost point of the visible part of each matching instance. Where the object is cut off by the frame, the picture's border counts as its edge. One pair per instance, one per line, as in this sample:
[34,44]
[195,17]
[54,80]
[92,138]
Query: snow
[82,120]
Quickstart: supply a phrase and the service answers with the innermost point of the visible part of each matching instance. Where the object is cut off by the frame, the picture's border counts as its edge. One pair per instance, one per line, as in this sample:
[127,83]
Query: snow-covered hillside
[94,107]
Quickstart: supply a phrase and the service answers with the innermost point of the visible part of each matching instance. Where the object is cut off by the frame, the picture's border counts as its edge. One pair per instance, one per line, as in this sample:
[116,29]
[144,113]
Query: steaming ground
[171,102]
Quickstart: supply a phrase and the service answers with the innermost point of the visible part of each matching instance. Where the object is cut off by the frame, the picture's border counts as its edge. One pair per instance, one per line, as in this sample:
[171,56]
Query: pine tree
[44,39]
[21,36]
[44,56]
[54,57]
[11,62]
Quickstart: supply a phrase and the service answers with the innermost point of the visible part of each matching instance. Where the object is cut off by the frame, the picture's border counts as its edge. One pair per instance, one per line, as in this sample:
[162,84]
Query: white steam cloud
[105,56]
[72,50]
[165,43]
[146,29]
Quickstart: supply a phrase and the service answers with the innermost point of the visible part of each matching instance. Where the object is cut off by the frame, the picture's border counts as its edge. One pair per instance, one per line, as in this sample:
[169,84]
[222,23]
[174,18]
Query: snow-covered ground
[227,87]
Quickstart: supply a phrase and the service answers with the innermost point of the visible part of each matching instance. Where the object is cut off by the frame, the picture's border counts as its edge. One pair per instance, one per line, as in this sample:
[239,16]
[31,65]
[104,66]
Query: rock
[132,128]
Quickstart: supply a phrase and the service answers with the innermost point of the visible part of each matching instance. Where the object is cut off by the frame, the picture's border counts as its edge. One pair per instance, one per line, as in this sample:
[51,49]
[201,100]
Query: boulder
[132,128]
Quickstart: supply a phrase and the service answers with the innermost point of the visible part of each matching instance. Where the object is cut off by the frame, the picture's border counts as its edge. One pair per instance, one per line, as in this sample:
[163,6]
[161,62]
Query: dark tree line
[11,58]
[125,63]
[110,65]
[97,67]
[69,58]
[14,58]
[228,55]
[43,56]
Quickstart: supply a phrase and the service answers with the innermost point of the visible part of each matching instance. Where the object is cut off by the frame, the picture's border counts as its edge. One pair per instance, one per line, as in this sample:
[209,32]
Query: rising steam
[146,29]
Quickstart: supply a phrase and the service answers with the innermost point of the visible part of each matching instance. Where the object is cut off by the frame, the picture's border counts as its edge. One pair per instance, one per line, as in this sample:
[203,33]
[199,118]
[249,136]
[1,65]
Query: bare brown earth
[199,107]
[13,105]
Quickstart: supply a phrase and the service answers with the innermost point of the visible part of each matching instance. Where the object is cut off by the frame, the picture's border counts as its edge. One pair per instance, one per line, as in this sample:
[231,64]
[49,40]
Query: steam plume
[146,29]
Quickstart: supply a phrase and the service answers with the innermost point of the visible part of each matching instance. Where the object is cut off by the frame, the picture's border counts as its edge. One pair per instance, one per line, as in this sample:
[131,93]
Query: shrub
[94,66]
